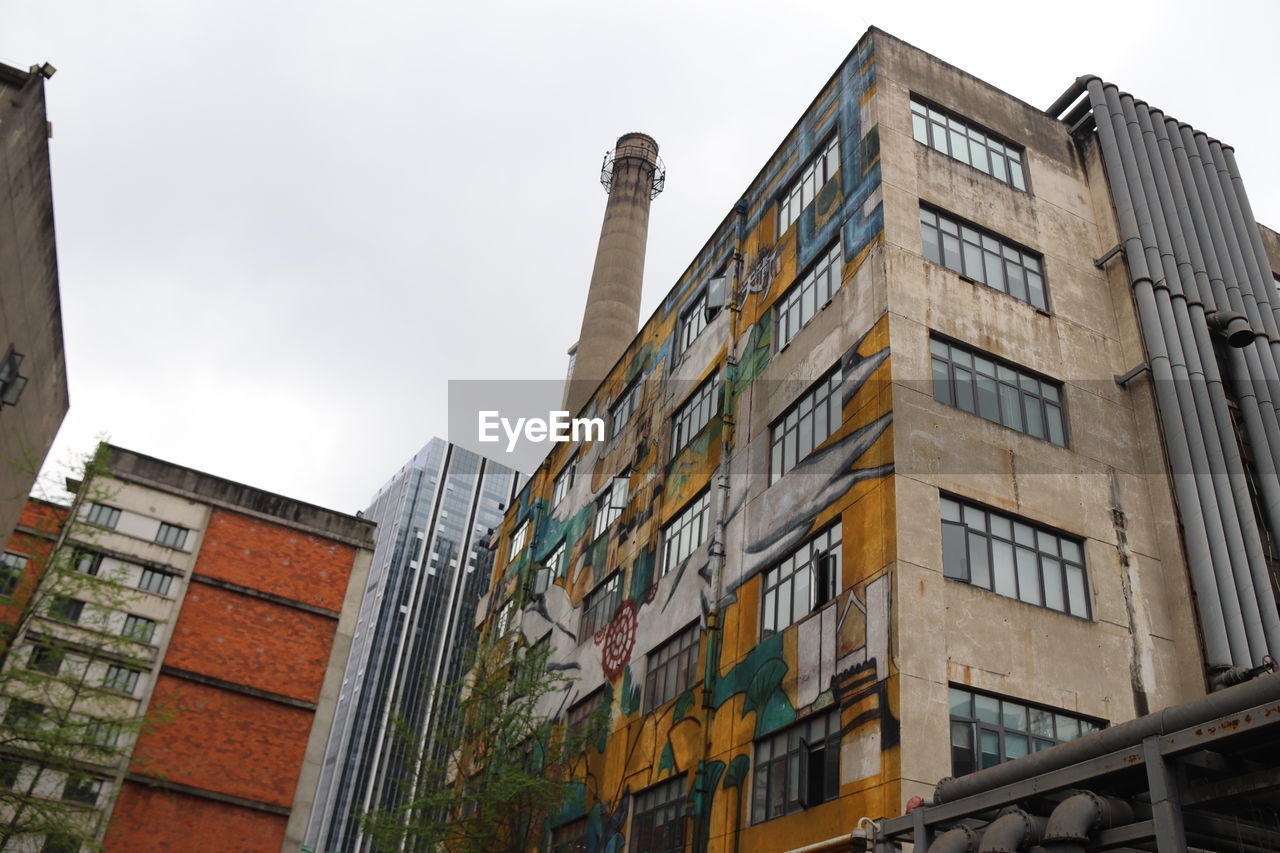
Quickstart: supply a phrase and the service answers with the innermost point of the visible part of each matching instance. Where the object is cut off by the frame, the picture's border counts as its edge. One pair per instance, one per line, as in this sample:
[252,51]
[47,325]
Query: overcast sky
[284,226]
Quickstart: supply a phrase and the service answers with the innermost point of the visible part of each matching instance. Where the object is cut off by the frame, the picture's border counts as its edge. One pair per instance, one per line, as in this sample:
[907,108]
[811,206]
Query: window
[569,838]
[610,505]
[172,535]
[11,384]
[1012,557]
[46,659]
[563,482]
[620,411]
[517,541]
[155,581]
[658,825]
[961,140]
[982,256]
[581,714]
[797,768]
[696,412]
[23,714]
[504,618]
[101,733]
[986,730]
[9,770]
[685,532]
[810,421]
[692,321]
[600,605]
[82,789]
[11,568]
[997,391]
[809,295]
[805,188]
[87,562]
[65,609]
[556,563]
[103,515]
[139,628]
[552,567]
[121,678]
[672,667]
[805,580]
[54,843]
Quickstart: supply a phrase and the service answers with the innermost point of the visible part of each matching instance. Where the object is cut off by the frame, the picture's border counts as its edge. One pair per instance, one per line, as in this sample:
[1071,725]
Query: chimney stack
[633,176]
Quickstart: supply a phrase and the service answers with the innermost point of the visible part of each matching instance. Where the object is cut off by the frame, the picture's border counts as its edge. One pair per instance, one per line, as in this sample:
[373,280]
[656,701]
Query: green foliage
[494,769]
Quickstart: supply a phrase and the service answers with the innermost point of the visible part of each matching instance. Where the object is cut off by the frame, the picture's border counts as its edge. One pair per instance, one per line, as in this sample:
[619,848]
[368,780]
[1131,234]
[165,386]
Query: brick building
[239,607]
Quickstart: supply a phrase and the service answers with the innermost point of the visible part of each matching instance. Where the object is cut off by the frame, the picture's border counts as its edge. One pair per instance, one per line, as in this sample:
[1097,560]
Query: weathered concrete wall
[30,312]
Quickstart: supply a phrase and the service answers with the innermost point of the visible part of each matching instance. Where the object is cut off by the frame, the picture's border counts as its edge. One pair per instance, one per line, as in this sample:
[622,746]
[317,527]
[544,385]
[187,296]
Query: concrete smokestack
[633,176]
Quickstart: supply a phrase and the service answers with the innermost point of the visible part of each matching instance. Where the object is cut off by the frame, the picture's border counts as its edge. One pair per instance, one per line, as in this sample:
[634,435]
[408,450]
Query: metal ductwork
[1199,272]
[959,839]
[1013,831]
[1078,817]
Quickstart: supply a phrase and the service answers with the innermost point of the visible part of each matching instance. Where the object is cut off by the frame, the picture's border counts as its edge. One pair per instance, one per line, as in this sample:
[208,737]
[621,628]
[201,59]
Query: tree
[495,770]
[70,662]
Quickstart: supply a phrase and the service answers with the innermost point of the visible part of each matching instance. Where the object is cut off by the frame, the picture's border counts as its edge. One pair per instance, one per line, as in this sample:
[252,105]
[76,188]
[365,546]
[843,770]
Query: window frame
[83,789]
[971,133]
[650,832]
[65,609]
[606,512]
[96,513]
[970,239]
[697,308]
[957,534]
[792,201]
[823,561]
[799,741]
[697,510]
[135,626]
[12,567]
[165,583]
[563,482]
[624,407]
[827,265]
[708,398]
[820,393]
[87,562]
[977,726]
[1032,390]
[172,536]
[579,713]
[667,677]
[123,679]
[519,539]
[569,837]
[594,605]
[46,658]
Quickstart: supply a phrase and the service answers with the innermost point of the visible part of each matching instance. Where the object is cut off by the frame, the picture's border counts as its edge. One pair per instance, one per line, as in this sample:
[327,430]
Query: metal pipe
[1011,832]
[960,839]
[1075,90]
[1255,238]
[1112,139]
[1078,817]
[1260,691]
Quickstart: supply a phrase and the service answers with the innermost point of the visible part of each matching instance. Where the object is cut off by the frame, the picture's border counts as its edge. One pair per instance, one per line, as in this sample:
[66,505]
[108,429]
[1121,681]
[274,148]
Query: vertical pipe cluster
[1197,264]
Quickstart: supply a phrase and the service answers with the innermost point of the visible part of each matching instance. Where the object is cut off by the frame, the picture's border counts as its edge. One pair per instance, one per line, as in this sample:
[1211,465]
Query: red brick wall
[250,641]
[275,559]
[224,741]
[152,820]
[48,519]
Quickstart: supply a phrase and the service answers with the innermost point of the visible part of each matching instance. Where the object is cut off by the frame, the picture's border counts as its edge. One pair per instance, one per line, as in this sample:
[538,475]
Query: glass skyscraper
[415,625]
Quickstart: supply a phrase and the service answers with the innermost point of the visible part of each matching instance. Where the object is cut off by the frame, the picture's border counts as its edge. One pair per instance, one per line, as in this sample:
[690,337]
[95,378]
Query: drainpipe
[1012,831]
[1199,553]
[1079,816]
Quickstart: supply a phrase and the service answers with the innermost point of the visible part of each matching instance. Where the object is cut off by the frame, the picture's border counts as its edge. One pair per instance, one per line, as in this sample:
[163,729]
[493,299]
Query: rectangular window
[797,768]
[9,769]
[600,605]
[82,789]
[121,678]
[155,581]
[11,384]
[518,540]
[810,421]
[809,295]
[985,257]
[998,391]
[46,659]
[686,531]
[139,628]
[1013,557]
[171,535]
[87,562]
[696,412]
[987,730]
[582,711]
[672,667]
[65,609]
[101,733]
[622,408]
[23,714]
[658,825]
[103,515]
[610,505]
[11,568]
[805,580]
[804,189]
[563,482]
[692,321]
[569,838]
[960,139]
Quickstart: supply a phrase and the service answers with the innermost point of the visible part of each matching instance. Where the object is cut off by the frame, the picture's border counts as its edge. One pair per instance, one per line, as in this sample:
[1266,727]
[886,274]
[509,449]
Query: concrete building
[229,612]
[33,370]
[911,503]
[416,623]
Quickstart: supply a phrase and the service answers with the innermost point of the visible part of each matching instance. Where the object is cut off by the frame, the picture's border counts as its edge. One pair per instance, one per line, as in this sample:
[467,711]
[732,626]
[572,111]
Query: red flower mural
[618,639]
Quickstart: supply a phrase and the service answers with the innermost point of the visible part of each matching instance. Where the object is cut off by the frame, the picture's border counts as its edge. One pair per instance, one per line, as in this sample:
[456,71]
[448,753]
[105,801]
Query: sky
[283,227]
